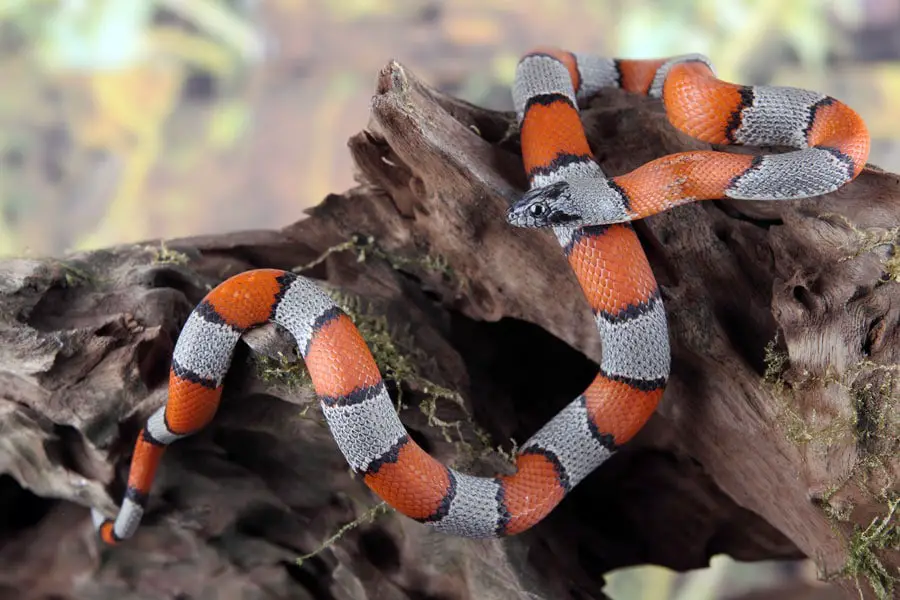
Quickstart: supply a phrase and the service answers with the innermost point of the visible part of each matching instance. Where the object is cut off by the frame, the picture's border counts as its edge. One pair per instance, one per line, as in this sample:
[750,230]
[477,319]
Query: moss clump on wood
[365,247]
[882,534]
[284,371]
[876,431]
[167,256]
[75,275]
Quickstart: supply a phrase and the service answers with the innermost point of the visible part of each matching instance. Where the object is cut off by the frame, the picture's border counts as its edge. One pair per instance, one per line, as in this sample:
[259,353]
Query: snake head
[547,206]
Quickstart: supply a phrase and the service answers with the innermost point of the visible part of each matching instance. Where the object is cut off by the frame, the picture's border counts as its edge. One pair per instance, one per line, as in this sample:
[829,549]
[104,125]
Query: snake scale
[590,215]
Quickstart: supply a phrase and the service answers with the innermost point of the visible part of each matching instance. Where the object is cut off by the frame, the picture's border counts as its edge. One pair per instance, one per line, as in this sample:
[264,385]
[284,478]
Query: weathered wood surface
[729,464]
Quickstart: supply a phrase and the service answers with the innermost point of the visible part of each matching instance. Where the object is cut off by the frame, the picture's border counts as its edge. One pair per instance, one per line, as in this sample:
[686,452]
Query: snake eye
[537,209]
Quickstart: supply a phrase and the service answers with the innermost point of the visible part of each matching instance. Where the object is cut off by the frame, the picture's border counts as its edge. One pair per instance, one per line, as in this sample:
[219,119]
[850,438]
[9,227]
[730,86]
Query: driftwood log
[777,437]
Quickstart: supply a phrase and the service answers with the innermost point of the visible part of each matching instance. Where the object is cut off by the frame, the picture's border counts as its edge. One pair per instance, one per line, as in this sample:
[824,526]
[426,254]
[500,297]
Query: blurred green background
[124,120]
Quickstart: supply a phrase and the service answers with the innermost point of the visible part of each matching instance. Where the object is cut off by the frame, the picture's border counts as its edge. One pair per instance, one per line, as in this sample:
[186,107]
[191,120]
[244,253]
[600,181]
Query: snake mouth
[518,217]
[529,211]
[538,207]
[533,215]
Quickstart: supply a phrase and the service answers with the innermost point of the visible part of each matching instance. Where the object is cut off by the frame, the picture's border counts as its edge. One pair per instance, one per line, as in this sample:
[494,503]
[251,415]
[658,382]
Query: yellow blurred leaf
[645,581]
[191,49]
[228,122]
[355,9]
[289,6]
[472,30]
[137,98]
[219,21]
[504,67]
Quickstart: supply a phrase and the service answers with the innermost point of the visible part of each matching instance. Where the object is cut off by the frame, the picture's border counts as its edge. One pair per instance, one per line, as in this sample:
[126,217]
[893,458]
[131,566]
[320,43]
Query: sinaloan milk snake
[590,215]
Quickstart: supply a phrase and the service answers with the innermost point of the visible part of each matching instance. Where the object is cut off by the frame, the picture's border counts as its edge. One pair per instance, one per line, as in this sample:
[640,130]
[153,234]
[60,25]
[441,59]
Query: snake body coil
[589,214]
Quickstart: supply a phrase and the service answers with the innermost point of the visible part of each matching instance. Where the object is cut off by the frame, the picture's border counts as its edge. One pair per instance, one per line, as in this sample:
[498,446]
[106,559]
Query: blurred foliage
[134,119]
[123,120]
[725,577]
[97,83]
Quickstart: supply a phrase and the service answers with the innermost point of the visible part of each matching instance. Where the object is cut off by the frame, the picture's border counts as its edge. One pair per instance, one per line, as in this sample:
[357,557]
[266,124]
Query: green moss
[836,512]
[864,563]
[875,403]
[877,424]
[397,359]
[867,239]
[870,239]
[892,265]
[813,428]
[874,427]
[75,276]
[282,371]
[870,386]
[800,429]
[166,256]
[367,517]
[285,372]
[365,248]
[776,363]
[393,363]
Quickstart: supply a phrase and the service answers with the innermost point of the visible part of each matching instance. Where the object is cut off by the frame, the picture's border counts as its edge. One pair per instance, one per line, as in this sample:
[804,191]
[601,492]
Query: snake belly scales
[590,215]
